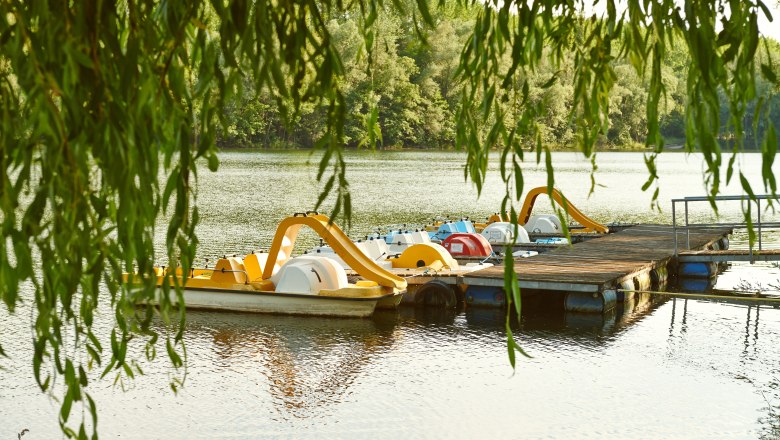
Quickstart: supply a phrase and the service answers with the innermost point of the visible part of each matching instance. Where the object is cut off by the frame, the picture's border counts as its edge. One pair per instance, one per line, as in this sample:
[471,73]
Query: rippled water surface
[683,369]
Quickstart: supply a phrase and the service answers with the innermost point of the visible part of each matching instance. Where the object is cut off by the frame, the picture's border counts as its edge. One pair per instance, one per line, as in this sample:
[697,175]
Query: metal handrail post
[674,226]
[687,228]
[756,223]
[758,207]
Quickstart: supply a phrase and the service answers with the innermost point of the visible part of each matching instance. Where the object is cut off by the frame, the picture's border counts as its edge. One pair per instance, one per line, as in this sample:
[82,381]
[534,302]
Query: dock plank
[601,262]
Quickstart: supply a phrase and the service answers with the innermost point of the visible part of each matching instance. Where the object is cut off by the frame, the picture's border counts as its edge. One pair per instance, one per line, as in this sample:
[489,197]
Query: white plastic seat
[309,274]
[376,249]
[421,237]
[401,242]
[254,264]
[503,233]
[543,224]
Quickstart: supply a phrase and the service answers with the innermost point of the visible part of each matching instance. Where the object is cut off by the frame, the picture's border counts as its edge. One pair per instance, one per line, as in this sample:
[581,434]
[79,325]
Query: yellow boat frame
[589,225]
[254,275]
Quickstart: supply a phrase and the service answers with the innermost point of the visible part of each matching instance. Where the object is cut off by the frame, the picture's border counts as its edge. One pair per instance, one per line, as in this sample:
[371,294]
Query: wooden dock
[600,264]
[591,276]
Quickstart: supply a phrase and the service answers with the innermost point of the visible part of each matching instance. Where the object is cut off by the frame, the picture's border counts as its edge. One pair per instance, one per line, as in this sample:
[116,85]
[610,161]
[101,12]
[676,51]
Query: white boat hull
[278,303]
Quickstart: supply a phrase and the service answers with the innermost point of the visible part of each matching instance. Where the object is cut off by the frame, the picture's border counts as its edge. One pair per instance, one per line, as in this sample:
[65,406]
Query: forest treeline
[413,88]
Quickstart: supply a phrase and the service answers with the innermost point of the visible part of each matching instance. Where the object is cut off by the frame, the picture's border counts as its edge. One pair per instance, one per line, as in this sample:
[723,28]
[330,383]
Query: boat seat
[254,266]
[229,270]
[308,274]
[503,233]
[376,249]
[421,237]
[425,255]
[263,285]
[543,224]
[257,260]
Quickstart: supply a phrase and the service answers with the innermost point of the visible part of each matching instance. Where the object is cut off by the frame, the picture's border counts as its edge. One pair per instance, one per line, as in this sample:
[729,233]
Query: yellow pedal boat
[274,282]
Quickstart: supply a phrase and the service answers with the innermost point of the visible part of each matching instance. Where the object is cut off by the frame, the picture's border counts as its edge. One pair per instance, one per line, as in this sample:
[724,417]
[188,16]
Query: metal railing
[758,224]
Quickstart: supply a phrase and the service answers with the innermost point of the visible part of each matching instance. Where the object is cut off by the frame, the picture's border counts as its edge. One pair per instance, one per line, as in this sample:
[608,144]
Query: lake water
[679,369]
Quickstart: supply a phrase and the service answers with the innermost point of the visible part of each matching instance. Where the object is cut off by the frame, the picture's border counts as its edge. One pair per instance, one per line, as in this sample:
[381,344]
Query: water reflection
[736,334]
[748,328]
[308,363]
[556,321]
[683,316]
[751,319]
[311,364]
[429,316]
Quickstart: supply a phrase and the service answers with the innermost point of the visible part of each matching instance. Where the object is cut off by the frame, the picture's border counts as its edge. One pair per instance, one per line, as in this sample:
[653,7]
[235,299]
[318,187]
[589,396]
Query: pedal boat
[273,282]
[430,269]
[544,224]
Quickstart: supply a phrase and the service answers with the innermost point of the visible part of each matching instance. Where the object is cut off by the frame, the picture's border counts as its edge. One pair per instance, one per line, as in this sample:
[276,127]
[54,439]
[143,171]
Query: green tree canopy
[107,106]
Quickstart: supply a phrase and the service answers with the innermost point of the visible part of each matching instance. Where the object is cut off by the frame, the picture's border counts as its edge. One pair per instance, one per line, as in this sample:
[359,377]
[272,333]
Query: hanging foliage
[106,107]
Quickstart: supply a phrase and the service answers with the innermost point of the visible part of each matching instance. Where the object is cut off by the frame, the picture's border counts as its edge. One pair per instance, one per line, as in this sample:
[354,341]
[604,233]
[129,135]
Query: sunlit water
[678,369]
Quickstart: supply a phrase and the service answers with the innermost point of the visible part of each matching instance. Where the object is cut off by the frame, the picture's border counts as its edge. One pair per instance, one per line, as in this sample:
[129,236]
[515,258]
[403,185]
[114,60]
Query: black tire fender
[436,294]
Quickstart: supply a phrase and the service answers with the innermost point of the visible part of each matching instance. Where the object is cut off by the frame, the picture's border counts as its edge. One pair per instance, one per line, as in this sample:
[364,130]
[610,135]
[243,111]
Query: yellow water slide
[287,233]
[528,205]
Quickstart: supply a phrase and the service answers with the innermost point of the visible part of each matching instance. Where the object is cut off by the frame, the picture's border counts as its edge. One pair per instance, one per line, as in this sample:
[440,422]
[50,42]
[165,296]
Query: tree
[107,106]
